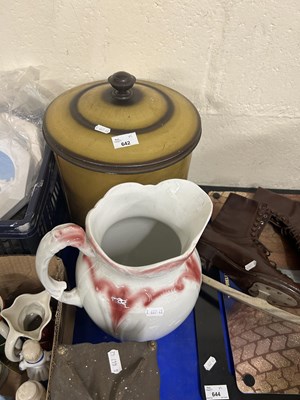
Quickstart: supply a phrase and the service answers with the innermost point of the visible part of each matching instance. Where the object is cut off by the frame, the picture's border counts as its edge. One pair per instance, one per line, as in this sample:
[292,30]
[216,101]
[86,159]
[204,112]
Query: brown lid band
[109,99]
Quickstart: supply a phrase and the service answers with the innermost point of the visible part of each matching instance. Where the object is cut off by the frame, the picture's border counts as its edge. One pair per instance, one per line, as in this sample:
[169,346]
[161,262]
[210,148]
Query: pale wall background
[236,60]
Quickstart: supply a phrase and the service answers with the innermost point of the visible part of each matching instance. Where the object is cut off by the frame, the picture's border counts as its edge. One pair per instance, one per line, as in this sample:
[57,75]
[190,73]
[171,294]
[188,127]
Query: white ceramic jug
[26,317]
[138,272]
[31,390]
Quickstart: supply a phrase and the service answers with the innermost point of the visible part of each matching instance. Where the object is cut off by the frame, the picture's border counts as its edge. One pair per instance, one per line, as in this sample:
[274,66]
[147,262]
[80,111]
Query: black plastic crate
[46,208]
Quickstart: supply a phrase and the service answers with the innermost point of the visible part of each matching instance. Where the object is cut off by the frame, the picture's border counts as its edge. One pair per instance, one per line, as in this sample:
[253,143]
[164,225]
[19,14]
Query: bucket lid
[122,125]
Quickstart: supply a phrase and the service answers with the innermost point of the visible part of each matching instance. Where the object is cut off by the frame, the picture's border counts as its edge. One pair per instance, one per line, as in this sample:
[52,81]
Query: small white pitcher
[26,317]
[3,326]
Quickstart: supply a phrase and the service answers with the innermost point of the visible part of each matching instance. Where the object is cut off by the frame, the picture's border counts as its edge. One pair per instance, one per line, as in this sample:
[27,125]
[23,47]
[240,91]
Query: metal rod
[255,302]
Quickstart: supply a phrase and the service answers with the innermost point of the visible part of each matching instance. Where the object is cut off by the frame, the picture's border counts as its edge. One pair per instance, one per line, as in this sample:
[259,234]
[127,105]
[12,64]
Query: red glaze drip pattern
[121,299]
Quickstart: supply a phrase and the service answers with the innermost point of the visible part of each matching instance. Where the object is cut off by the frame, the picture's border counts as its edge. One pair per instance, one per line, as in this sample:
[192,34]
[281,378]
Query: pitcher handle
[10,346]
[57,239]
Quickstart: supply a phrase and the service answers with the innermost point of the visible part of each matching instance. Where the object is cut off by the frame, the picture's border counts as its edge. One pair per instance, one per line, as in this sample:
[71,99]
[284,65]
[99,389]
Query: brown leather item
[231,242]
[285,213]
[83,371]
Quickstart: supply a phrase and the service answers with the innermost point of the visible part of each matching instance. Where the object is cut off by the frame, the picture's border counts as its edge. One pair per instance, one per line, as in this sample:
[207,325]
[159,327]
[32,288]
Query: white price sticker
[114,361]
[210,363]
[216,392]
[126,140]
[101,128]
[155,311]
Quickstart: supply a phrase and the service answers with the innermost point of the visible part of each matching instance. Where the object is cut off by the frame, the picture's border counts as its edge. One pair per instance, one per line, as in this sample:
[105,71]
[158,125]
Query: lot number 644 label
[216,392]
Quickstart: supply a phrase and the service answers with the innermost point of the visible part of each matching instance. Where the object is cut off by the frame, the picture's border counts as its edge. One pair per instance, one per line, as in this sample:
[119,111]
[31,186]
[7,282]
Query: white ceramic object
[3,326]
[138,273]
[4,329]
[35,361]
[14,174]
[26,317]
[31,390]
[21,146]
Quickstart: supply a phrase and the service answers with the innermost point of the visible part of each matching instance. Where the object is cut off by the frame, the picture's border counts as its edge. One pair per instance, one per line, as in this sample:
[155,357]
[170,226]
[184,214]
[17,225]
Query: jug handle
[57,239]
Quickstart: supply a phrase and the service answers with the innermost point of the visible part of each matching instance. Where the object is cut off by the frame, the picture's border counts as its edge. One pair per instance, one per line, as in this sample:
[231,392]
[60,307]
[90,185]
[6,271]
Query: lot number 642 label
[126,140]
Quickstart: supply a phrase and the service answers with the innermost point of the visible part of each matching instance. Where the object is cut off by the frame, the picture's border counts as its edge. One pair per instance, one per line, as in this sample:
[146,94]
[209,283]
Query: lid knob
[122,83]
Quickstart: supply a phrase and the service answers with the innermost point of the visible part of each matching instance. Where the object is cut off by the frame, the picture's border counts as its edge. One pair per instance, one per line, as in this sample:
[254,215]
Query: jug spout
[189,211]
